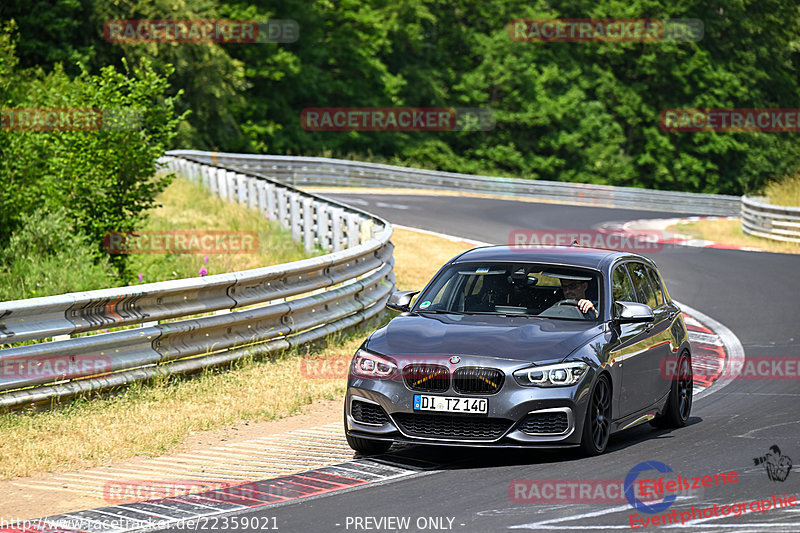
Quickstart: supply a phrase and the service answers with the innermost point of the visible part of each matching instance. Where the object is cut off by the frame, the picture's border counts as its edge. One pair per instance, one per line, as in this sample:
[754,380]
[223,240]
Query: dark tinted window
[642,284]
[656,285]
[621,286]
[512,289]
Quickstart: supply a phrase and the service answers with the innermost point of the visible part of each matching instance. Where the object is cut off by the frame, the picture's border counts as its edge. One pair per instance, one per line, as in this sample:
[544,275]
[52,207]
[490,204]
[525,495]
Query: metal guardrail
[255,311]
[318,171]
[776,222]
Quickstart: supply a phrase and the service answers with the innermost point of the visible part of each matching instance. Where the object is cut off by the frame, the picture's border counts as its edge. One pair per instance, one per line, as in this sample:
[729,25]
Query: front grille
[427,378]
[368,413]
[451,427]
[555,422]
[477,380]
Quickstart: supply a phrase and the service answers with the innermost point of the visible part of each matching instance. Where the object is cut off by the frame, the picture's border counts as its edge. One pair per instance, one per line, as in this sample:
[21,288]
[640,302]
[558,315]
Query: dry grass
[784,192]
[154,419]
[730,232]
[189,206]
[418,256]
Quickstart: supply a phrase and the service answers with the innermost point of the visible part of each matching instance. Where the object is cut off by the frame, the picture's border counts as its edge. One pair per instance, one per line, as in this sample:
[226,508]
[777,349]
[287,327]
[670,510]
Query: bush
[48,255]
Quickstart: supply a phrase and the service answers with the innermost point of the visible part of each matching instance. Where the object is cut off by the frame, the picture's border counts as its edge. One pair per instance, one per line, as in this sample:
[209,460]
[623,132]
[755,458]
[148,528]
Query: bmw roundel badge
[455,359]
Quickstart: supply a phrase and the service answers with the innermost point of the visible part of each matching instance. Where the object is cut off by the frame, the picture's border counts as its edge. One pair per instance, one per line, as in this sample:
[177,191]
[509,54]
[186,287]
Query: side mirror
[633,312]
[401,300]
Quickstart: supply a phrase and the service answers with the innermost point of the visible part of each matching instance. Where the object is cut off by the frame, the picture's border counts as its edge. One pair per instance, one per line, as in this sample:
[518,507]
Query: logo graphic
[778,465]
[200,31]
[397,119]
[606,30]
[730,119]
[635,502]
[181,242]
[455,359]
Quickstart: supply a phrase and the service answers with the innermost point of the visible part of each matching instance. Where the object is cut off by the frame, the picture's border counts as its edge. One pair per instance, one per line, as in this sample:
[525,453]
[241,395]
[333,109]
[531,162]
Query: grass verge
[189,206]
[730,232]
[48,256]
[784,192]
[156,418]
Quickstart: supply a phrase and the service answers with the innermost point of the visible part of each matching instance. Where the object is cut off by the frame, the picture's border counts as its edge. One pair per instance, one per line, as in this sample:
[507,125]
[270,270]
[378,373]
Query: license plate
[423,402]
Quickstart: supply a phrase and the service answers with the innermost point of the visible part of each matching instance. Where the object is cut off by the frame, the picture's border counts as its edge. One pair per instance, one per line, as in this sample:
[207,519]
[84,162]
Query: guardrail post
[204,176]
[366,231]
[252,192]
[222,179]
[272,209]
[282,213]
[323,225]
[241,188]
[336,225]
[295,223]
[308,224]
[261,186]
[213,182]
[352,230]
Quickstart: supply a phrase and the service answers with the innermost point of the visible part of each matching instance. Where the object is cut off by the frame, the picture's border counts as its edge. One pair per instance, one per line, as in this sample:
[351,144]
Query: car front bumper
[503,425]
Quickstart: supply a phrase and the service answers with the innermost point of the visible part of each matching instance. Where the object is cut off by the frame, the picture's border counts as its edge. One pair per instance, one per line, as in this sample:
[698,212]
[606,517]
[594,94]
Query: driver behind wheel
[576,290]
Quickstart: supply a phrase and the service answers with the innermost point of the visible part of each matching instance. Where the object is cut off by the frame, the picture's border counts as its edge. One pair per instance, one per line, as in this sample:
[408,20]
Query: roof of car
[567,255]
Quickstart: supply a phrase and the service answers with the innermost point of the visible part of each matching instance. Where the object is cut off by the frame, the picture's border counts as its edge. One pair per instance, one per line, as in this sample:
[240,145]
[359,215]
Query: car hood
[528,339]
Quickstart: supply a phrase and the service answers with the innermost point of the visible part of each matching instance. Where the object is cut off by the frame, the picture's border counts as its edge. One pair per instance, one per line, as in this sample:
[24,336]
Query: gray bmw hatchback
[523,347]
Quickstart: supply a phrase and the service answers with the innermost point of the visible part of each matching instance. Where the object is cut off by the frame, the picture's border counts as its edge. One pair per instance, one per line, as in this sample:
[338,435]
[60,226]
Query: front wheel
[597,426]
[367,446]
[679,403]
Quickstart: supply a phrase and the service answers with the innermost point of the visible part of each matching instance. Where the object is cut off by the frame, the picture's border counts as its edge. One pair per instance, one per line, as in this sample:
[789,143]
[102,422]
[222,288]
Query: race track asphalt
[458,489]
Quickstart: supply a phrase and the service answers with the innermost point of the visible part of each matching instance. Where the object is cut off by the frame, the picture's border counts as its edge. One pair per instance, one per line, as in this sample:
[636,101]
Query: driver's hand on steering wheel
[586,305]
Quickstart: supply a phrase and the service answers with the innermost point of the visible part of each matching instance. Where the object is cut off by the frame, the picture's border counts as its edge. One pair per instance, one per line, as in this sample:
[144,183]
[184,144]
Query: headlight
[558,375]
[370,365]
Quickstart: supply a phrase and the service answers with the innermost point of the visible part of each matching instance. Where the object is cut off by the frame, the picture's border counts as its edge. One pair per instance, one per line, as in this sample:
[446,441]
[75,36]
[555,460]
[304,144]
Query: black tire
[679,403]
[365,446]
[368,446]
[597,425]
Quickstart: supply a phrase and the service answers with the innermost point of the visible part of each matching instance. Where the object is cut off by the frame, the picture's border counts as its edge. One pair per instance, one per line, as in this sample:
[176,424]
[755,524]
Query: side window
[643,285]
[656,285]
[621,287]
[446,288]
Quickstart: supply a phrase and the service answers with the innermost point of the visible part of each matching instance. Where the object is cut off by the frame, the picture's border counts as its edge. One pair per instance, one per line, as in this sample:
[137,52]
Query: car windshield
[541,290]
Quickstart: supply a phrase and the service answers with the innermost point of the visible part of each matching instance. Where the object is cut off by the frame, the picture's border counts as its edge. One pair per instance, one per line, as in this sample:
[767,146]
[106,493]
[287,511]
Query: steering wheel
[565,309]
[569,301]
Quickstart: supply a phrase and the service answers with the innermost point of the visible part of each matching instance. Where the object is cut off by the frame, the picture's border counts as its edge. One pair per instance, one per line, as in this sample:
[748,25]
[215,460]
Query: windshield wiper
[441,312]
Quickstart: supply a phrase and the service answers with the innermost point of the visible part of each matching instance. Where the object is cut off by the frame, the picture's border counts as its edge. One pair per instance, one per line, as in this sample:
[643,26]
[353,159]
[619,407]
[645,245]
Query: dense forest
[569,111]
